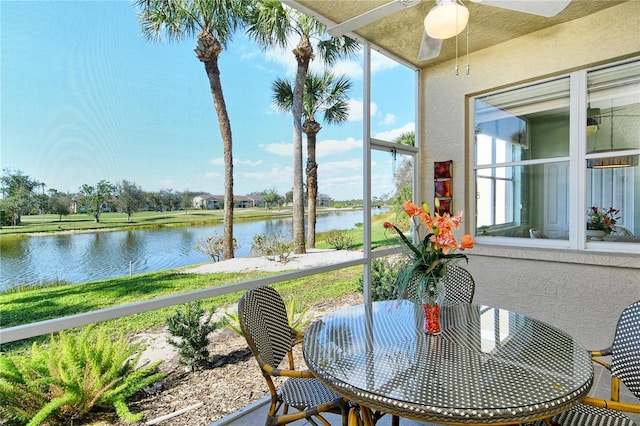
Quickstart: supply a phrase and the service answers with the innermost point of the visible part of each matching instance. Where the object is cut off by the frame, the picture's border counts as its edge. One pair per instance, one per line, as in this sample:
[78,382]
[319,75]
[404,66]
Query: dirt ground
[232,382]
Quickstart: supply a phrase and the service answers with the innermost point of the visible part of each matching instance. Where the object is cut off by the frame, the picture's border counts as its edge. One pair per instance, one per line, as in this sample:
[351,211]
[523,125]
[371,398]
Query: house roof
[400,34]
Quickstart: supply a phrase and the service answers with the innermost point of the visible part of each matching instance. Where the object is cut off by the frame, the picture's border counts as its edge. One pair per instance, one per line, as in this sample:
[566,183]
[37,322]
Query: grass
[32,304]
[39,304]
[142,220]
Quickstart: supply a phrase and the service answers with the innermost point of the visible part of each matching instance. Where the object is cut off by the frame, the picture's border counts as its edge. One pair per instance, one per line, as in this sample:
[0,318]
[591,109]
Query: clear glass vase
[432,299]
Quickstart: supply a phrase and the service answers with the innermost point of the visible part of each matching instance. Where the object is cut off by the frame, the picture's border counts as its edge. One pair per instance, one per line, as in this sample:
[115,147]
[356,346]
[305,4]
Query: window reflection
[495,329]
[532,154]
[613,175]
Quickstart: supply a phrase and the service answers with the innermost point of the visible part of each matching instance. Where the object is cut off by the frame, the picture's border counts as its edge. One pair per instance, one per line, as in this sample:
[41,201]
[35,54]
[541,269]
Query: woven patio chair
[263,320]
[624,367]
[459,287]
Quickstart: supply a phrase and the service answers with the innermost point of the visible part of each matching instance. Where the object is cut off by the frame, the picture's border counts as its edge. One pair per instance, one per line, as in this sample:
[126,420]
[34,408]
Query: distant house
[215,202]
[208,202]
[323,201]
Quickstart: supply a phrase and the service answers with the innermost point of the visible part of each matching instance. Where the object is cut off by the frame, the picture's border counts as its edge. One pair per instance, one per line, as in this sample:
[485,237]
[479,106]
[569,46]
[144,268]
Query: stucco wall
[575,291]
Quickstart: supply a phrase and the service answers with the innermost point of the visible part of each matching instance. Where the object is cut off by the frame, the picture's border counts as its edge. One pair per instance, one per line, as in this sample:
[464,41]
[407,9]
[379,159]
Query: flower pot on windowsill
[596,234]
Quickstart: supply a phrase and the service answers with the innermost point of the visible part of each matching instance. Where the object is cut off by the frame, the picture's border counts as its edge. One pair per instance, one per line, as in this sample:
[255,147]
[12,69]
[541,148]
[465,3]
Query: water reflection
[90,256]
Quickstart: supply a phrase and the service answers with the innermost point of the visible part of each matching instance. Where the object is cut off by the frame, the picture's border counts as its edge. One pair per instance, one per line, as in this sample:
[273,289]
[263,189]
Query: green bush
[339,240]
[190,334]
[62,381]
[213,247]
[384,275]
[272,246]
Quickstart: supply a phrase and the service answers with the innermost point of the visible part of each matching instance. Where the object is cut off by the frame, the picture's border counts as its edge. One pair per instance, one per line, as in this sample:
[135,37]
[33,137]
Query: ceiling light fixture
[607,162]
[446,19]
[613,162]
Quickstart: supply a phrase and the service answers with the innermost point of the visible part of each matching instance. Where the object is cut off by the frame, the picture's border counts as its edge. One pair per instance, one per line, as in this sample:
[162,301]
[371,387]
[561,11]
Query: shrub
[189,334]
[339,240]
[272,246]
[213,246]
[383,280]
[63,381]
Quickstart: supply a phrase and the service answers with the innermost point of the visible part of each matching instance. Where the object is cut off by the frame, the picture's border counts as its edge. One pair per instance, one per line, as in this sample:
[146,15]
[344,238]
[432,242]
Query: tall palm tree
[213,22]
[270,25]
[322,93]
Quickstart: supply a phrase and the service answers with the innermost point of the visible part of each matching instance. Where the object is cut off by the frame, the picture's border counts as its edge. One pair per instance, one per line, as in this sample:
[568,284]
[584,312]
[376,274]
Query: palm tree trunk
[303,53]
[208,51]
[311,129]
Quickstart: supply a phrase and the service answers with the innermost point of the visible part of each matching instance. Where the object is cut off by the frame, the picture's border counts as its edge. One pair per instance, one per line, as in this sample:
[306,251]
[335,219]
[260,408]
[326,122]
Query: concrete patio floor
[256,413]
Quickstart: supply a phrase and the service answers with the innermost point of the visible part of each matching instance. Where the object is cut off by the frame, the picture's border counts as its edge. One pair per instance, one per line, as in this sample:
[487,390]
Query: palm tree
[321,93]
[270,25]
[213,22]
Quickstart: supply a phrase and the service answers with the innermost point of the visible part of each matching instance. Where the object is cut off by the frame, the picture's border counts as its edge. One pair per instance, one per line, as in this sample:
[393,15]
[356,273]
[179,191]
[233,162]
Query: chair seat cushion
[303,393]
[587,415]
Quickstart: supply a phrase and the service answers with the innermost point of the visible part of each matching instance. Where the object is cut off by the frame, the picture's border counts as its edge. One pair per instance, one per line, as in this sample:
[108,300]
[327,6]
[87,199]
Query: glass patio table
[488,366]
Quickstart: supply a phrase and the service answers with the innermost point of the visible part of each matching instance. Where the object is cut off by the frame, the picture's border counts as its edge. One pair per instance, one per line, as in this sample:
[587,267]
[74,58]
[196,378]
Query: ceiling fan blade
[370,16]
[546,8]
[429,47]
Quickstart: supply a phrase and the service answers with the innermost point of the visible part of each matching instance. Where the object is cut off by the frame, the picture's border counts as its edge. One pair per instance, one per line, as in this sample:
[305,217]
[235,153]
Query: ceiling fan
[446,19]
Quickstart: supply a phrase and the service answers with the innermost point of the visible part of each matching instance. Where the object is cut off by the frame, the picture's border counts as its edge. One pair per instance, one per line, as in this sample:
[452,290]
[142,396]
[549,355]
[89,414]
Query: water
[79,258]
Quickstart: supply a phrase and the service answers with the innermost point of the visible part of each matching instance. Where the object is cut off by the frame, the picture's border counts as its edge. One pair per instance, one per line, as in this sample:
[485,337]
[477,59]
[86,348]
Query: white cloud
[336,147]
[276,174]
[355,109]
[380,62]
[349,68]
[390,135]
[236,161]
[167,183]
[283,149]
[249,163]
[388,119]
[213,175]
[335,167]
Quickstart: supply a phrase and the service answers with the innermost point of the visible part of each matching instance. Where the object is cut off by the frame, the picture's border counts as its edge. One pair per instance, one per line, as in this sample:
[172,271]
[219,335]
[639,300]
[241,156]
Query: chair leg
[354,417]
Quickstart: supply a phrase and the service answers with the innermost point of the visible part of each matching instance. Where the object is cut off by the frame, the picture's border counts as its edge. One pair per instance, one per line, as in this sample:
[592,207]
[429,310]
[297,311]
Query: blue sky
[84,97]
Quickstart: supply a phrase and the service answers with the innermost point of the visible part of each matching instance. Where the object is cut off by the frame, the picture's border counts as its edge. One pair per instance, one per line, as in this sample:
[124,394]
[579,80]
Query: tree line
[24,195]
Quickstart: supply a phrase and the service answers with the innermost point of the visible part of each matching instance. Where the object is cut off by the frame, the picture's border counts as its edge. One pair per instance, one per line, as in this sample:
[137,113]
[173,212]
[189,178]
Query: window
[539,168]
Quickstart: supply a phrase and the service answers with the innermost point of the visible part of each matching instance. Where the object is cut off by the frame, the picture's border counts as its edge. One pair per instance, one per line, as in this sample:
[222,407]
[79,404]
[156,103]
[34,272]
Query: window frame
[577,160]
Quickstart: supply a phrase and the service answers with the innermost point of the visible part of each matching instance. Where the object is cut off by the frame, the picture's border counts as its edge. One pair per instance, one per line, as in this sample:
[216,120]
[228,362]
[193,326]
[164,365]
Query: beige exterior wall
[582,293]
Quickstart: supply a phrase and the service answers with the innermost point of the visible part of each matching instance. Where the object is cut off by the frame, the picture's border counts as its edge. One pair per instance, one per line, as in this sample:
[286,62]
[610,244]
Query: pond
[76,258]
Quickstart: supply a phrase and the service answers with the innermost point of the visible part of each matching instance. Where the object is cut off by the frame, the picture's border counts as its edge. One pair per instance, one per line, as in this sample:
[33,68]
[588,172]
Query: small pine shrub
[189,334]
[339,240]
[62,381]
[384,275]
[272,246]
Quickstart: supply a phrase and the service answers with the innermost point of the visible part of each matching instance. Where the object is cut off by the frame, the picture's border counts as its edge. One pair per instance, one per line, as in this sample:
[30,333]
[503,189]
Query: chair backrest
[536,233]
[263,320]
[625,361]
[459,287]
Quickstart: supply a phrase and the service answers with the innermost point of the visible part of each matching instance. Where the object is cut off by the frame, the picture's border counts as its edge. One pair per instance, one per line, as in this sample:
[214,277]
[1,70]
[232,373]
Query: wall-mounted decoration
[442,177]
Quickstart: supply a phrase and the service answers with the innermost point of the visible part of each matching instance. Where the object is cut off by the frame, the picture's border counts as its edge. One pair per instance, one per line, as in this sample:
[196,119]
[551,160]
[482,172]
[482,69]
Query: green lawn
[141,220]
[29,305]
